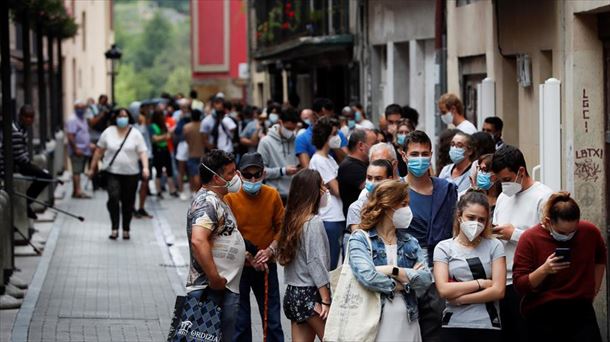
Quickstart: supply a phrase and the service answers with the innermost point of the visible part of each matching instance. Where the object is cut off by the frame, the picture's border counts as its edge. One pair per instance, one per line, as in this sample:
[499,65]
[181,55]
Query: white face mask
[447,118]
[286,133]
[402,217]
[561,237]
[471,229]
[510,189]
[324,199]
[233,185]
[334,142]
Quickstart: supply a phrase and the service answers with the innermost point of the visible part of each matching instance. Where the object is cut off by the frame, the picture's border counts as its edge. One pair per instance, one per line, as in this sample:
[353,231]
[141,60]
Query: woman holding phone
[558,268]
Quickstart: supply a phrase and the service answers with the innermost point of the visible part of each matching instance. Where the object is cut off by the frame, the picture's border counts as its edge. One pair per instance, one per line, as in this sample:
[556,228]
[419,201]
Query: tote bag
[355,311]
[196,319]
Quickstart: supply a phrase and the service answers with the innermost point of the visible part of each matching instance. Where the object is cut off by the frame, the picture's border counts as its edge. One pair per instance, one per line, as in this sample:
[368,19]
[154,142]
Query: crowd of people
[466,248]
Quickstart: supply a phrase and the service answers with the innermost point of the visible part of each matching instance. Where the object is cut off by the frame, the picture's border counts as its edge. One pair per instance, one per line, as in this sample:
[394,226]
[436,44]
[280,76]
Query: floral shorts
[299,302]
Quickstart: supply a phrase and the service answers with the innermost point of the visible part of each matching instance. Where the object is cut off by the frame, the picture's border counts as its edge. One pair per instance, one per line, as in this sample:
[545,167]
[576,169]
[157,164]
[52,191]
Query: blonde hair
[387,195]
[472,196]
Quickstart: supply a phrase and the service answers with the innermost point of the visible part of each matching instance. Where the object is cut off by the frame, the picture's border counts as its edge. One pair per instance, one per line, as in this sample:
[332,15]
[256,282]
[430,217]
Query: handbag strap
[119,150]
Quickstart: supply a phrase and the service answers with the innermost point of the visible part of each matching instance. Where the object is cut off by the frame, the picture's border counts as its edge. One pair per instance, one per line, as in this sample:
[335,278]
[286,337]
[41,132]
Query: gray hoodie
[277,152]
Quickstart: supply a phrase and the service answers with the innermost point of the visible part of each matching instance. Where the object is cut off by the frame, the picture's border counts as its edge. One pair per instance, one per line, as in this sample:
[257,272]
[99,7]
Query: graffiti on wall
[585,109]
[587,164]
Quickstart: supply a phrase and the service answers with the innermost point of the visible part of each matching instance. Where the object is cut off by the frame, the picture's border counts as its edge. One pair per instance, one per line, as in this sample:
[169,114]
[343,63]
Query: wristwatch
[395,271]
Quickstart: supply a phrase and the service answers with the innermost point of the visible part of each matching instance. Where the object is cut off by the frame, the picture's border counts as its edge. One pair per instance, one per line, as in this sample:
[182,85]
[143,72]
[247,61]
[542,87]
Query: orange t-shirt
[259,217]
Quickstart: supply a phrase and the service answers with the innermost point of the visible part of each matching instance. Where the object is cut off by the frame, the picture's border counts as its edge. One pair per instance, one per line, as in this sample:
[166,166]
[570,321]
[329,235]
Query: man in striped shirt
[21,157]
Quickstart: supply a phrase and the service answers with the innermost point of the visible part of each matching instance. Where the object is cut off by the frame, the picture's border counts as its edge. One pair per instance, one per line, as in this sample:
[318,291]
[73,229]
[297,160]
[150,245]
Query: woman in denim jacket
[395,266]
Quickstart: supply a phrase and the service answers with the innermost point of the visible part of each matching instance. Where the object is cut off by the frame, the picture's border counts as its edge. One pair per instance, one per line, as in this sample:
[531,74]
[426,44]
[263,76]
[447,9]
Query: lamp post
[114,56]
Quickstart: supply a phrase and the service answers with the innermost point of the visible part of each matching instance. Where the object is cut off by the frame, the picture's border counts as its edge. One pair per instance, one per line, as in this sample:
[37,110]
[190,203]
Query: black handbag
[197,318]
[101,179]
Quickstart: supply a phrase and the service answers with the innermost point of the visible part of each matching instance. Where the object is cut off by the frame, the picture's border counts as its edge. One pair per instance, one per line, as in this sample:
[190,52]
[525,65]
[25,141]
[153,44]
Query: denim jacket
[408,254]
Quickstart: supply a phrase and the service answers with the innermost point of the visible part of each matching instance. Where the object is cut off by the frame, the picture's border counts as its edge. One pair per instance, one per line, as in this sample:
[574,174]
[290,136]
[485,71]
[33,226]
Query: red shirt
[587,249]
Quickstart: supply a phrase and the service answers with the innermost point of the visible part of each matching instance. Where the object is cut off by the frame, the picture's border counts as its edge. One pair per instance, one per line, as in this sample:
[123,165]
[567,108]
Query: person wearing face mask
[470,273]
[360,117]
[216,246]
[324,139]
[460,152]
[433,203]
[277,149]
[559,266]
[396,267]
[120,147]
[518,208]
[452,113]
[493,126]
[303,250]
[259,211]
[484,180]
[79,146]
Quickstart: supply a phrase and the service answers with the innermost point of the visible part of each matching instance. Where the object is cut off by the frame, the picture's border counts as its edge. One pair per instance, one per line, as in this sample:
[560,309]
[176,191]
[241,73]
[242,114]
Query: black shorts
[299,302]
[162,159]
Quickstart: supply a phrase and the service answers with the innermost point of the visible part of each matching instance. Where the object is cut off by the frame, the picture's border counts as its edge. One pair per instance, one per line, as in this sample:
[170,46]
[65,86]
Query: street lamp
[114,56]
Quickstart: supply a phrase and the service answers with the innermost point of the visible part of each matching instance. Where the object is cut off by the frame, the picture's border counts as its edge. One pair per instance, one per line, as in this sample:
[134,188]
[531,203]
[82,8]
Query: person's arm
[304,160]
[599,276]
[495,292]
[278,214]
[201,242]
[333,187]
[97,156]
[95,119]
[316,253]
[271,172]
[144,161]
[363,268]
[449,290]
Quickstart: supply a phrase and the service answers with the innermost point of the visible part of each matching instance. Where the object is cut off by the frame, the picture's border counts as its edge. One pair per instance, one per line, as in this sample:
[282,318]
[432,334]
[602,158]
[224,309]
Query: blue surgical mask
[369,186]
[358,116]
[484,180]
[122,122]
[351,123]
[418,166]
[252,187]
[400,139]
[79,112]
[561,237]
[456,154]
[273,118]
[307,121]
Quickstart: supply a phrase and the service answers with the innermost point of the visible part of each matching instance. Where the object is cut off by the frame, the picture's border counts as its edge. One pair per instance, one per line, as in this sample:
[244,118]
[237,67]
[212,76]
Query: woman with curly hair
[304,252]
[396,267]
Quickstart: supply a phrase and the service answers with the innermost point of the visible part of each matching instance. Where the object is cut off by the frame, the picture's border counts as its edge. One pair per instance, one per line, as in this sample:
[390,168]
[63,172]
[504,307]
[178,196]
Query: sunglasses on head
[248,175]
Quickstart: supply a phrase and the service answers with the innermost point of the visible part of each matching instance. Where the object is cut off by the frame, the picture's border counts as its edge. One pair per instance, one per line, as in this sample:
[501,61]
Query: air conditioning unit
[524,70]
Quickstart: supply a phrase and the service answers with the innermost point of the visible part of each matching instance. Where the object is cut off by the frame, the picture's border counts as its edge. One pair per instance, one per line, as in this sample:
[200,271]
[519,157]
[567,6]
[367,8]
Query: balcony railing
[278,21]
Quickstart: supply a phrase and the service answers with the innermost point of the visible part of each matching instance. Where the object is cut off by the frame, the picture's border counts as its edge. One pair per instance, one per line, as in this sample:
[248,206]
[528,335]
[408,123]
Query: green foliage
[156,50]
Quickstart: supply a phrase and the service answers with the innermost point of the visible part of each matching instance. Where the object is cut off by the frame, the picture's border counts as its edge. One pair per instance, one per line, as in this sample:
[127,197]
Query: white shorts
[182,151]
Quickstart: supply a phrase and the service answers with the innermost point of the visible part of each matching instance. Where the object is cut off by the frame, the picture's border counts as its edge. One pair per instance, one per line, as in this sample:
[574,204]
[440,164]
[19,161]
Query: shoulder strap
[119,150]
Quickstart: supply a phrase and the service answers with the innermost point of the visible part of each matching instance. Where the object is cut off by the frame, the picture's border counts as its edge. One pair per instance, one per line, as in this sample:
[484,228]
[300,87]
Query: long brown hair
[303,202]
[387,195]
[472,196]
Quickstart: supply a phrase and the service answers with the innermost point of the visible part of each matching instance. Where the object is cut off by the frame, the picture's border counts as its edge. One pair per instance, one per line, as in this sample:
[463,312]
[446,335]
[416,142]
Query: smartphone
[564,253]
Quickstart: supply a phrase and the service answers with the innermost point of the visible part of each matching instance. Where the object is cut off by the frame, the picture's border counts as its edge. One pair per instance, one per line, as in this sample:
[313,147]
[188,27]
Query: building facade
[219,51]
[85,68]
[520,45]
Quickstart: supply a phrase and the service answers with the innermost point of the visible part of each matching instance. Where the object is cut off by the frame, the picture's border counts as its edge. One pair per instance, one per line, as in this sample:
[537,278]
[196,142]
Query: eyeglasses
[248,175]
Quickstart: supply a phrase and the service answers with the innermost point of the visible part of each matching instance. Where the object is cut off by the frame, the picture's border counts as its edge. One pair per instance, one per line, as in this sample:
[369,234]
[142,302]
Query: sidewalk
[96,289]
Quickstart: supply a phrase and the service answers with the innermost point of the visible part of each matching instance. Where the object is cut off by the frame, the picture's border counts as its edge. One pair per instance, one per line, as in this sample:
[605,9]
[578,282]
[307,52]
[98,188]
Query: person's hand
[322,310]
[145,174]
[78,152]
[553,264]
[91,172]
[485,283]
[218,283]
[291,170]
[263,256]
[504,231]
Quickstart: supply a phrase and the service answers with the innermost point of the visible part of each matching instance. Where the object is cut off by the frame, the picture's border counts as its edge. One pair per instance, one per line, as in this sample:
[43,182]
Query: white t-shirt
[462,181]
[126,162]
[523,211]
[328,168]
[225,140]
[467,127]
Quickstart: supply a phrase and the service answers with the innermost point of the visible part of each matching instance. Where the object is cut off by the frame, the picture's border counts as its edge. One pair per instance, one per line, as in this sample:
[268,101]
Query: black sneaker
[136,214]
[32,214]
[143,213]
[175,194]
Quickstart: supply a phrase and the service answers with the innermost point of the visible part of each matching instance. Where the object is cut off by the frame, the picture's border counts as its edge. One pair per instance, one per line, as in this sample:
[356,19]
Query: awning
[304,47]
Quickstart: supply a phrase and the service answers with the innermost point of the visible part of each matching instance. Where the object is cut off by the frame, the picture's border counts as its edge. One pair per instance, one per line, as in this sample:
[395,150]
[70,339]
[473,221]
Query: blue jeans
[252,279]
[230,306]
[334,232]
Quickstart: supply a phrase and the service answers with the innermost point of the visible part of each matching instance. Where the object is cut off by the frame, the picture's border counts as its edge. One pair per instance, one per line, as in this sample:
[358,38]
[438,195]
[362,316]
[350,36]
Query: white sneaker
[184,196]
[8,302]
[13,291]
[18,282]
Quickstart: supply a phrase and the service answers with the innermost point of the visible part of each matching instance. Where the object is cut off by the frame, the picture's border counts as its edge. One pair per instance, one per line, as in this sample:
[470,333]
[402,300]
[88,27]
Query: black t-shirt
[351,175]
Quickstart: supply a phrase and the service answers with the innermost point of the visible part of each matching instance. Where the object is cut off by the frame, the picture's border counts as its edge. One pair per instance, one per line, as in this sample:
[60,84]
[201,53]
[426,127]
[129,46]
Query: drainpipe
[440,45]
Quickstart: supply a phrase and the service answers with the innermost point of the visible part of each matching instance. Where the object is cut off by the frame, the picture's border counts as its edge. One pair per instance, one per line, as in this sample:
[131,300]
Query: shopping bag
[355,311]
[196,318]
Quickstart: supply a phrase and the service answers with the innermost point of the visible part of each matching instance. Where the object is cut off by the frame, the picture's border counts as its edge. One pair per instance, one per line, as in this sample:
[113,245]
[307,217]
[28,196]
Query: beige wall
[562,40]
[85,68]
